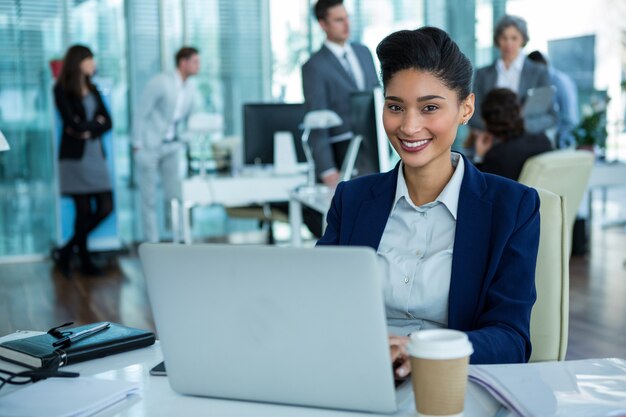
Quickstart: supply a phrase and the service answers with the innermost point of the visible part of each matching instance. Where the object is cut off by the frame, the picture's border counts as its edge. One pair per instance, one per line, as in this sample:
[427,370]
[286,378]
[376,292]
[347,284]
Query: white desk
[158,399]
[318,199]
[244,190]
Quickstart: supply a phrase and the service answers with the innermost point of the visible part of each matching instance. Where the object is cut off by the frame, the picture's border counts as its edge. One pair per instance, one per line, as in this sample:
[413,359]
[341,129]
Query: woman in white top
[513,71]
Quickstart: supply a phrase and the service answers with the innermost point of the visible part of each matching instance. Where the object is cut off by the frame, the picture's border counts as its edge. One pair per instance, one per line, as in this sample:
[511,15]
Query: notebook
[582,388]
[539,101]
[296,326]
[39,352]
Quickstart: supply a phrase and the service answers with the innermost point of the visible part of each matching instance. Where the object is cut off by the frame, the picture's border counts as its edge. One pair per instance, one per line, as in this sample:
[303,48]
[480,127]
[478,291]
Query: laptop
[295,326]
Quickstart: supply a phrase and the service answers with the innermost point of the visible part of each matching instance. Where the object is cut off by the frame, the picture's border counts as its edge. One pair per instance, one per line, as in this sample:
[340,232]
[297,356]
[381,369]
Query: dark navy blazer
[492,288]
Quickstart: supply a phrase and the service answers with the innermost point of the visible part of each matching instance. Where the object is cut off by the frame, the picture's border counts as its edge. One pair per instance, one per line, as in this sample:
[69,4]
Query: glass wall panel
[202,30]
[171,31]
[484,33]
[29,32]
[289,31]
[233,38]
[251,50]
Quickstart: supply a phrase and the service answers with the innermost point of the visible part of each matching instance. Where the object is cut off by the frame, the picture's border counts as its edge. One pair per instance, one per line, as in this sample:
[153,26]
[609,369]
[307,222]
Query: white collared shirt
[339,51]
[178,110]
[415,253]
[510,77]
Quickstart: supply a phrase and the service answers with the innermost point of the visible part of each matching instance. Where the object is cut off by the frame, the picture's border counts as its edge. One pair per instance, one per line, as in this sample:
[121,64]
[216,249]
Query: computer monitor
[367,121]
[261,121]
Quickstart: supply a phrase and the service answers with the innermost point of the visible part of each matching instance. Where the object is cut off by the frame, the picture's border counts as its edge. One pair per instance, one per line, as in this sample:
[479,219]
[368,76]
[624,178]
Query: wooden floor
[34,297]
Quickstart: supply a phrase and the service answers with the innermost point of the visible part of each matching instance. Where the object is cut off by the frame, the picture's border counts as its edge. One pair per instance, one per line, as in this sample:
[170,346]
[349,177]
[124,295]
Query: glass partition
[251,51]
[30,31]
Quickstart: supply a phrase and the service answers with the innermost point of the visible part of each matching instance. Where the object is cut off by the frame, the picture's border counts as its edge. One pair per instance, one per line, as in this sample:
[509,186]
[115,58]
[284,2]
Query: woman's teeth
[414,144]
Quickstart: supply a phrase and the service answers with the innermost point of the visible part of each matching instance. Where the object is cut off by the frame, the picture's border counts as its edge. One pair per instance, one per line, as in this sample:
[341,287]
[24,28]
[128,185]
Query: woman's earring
[464,122]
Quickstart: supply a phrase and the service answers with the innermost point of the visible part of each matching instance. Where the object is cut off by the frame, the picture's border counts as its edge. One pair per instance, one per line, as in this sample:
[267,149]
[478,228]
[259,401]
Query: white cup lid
[439,344]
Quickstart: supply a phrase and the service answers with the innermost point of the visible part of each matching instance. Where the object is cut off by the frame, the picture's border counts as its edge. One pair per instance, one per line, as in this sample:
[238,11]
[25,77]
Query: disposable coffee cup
[439,362]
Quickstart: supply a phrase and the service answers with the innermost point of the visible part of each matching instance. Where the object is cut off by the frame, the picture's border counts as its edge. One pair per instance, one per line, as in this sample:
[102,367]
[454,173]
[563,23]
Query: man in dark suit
[329,77]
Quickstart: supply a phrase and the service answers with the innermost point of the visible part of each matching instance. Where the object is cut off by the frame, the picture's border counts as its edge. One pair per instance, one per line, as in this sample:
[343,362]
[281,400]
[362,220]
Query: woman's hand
[484,142]
[85,135]
[101,119]
[399,356]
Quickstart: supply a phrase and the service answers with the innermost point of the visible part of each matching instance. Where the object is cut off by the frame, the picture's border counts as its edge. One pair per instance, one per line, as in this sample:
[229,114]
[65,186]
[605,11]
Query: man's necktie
[348,67]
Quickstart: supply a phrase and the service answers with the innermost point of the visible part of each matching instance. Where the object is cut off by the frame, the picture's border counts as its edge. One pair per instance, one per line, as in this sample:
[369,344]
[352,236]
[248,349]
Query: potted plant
[591,132]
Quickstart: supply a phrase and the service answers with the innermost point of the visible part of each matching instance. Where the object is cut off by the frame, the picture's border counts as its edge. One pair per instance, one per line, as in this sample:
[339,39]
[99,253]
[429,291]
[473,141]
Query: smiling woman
[421,116]
[458,247]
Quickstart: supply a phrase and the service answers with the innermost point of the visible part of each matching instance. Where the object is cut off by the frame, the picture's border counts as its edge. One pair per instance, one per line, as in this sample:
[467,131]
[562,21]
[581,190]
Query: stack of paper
[585,388]
[64,397]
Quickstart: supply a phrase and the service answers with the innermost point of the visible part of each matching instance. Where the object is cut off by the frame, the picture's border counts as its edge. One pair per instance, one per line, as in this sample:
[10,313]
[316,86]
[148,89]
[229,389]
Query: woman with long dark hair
[83,173]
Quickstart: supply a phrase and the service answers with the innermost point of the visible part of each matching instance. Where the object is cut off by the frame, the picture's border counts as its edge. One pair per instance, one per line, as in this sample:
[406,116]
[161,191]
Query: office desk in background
[259,187]
[604,175]
[157,399]
[319,200]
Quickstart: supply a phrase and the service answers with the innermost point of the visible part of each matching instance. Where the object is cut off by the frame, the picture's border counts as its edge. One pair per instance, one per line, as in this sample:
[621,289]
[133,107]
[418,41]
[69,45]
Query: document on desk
[583,388]
[66,397]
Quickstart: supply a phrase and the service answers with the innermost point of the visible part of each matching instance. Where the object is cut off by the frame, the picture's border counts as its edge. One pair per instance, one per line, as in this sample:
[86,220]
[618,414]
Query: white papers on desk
[585,388]
[65,397]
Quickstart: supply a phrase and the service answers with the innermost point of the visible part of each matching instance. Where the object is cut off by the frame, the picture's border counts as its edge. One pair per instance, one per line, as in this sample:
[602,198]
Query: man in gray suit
[338,69]
[167,102]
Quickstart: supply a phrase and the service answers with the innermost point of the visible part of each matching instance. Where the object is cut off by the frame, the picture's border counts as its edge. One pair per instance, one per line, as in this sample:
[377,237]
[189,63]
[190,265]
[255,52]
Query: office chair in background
[563,172]
[315,119]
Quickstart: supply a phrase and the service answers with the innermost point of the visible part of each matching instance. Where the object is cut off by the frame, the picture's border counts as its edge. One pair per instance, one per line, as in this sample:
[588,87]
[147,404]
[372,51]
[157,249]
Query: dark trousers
[91,210]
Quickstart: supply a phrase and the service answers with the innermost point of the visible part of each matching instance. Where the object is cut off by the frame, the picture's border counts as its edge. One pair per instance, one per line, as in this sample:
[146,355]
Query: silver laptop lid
[287,325]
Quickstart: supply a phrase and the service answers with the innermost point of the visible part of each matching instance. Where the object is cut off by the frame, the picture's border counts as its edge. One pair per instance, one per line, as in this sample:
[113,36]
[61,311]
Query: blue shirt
[415,253]
[566,101]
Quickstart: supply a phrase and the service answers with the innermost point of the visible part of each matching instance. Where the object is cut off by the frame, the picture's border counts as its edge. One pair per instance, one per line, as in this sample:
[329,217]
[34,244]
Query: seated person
[505,146]
[458,247]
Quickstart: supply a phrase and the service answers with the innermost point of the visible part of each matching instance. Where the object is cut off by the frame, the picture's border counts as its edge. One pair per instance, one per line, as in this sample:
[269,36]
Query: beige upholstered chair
[564,172]
[550,314]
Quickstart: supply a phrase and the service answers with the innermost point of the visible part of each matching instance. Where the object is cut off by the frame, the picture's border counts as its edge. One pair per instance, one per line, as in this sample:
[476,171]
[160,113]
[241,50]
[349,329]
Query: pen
[82,334]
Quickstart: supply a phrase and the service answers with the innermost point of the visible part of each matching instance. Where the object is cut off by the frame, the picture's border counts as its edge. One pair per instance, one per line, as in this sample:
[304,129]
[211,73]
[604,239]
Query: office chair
[347,168]
[550,315]
[313,120]
[563,172]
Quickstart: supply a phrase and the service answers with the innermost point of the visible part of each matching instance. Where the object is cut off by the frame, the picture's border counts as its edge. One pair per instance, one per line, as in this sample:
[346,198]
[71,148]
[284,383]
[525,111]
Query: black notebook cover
[38,352]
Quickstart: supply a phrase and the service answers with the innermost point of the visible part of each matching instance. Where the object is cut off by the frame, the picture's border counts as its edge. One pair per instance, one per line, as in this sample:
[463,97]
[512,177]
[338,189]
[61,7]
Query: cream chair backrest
[550,315]
[564,172]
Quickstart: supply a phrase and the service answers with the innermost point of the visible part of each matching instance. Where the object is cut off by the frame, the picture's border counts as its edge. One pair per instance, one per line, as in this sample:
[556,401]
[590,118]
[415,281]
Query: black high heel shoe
[61,262]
